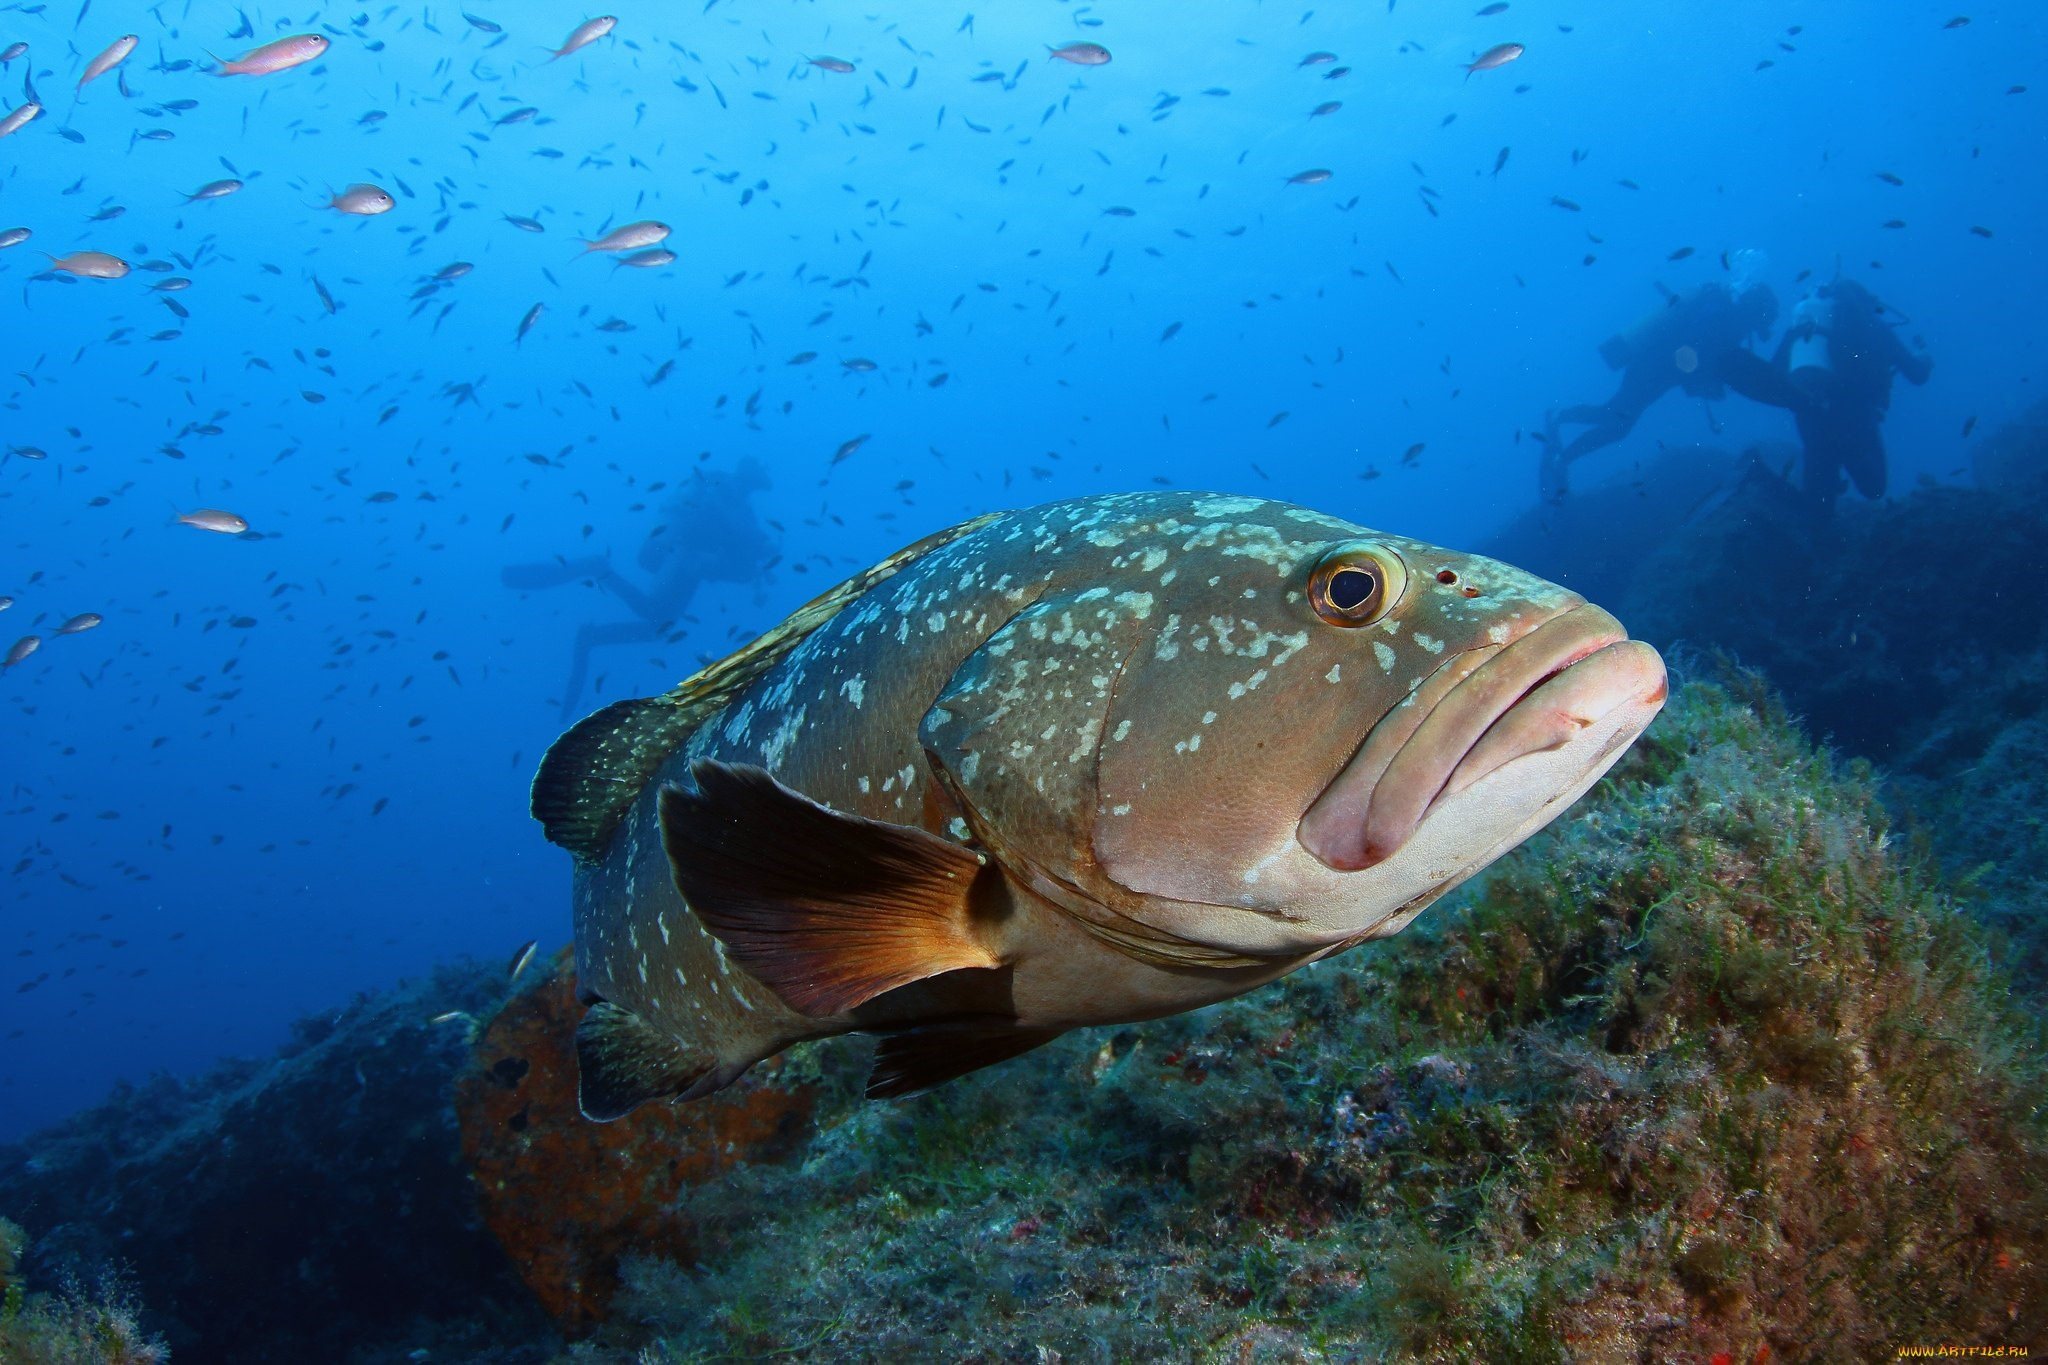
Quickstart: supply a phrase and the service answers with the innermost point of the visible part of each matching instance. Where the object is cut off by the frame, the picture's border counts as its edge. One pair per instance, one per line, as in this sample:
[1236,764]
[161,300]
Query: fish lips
[1479,712]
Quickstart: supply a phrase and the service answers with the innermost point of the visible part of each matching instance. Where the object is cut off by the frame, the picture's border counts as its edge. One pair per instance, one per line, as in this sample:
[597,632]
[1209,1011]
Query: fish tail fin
[622,1062]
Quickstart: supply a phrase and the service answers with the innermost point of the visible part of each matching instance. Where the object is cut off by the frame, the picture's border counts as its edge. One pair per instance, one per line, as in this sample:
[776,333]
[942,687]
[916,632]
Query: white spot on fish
[1138,604]
[854,689]
[1336,673]
[1430,643]
[1384,654]
[1227,506]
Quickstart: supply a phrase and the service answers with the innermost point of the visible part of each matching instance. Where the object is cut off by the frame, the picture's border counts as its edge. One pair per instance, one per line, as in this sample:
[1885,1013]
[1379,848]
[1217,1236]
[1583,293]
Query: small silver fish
[586,33]
[520,959]
[14,237]
[649,259]
[1081,54]
[364,201]
[1310,177]
[21,649]
[631,237]
[1499,55]
[524,224]
[214,189]
[453,271]
[19,116]
[79,624]
[835,65]
[13,51]
[526,323]
[115,54]
[213,519]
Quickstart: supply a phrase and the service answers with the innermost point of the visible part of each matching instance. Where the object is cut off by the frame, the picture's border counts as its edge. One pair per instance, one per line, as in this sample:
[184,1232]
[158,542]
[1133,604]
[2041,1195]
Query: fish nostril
[1446,576]
[1470,591]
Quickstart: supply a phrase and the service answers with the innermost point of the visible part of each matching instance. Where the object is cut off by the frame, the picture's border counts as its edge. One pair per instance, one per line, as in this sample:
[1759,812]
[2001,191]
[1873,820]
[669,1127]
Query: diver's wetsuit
[1695,344]
[1841,418]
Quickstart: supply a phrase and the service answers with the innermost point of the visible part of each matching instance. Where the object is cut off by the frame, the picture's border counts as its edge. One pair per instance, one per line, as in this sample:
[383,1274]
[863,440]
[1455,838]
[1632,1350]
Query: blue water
[292,766]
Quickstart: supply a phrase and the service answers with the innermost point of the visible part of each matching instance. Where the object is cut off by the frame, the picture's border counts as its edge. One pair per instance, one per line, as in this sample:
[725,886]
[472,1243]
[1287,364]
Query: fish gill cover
[387,387]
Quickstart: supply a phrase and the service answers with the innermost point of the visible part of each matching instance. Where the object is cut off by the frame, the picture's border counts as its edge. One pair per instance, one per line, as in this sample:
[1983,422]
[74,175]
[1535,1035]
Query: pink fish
[282,55]
[91,265]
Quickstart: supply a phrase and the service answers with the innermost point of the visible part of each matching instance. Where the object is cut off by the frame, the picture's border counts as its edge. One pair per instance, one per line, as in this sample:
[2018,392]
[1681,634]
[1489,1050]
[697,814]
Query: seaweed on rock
[1707,1072]
[82,1324]
[313,1206]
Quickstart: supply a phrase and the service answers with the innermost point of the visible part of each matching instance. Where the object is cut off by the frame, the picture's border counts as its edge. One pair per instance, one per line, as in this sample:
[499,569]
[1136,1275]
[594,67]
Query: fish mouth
[1480,711]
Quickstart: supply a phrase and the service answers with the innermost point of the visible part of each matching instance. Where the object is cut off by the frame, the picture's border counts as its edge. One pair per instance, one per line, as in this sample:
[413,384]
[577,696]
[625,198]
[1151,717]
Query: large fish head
[1325,728]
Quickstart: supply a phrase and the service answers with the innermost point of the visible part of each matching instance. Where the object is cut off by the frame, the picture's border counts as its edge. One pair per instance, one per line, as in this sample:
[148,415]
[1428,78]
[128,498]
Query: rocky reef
[314,1206]
[1711,1071]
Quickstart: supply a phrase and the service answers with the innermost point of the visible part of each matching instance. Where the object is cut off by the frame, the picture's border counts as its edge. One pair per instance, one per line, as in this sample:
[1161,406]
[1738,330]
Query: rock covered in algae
[83,1324]
[568,1197]
[1707,1072]
[313,1206]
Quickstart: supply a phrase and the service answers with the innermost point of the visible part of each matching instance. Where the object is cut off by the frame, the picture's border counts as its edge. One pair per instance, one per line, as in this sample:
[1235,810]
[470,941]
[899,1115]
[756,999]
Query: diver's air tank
[1811,321]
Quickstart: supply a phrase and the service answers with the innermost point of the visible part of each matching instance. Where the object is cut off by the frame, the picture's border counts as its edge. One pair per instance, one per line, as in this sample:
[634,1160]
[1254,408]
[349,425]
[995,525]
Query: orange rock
[567,1197]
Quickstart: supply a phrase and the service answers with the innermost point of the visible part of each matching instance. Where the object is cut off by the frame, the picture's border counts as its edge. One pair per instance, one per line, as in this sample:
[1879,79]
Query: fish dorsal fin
[592,775]
[916,1060]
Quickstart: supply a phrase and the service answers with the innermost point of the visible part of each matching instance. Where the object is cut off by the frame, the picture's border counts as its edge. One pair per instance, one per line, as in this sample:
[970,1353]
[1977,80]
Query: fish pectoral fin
[622,1061]
[919,1059]
[826,909]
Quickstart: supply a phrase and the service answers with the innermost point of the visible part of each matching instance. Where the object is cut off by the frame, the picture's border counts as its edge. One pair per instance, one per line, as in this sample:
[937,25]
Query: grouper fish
[1095,762]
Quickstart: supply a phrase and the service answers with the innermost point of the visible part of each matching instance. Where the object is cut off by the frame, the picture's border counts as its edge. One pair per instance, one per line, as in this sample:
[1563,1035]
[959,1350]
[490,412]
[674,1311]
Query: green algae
[1711,1066]
[82,1324]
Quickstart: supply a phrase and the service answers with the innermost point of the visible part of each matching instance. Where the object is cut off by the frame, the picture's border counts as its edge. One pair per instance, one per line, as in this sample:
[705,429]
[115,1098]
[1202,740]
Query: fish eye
[1356,585]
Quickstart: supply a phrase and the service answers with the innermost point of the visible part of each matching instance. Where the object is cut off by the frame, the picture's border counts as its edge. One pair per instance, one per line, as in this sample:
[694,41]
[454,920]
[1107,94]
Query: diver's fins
[919,1059]
[826,909]
[622,1061]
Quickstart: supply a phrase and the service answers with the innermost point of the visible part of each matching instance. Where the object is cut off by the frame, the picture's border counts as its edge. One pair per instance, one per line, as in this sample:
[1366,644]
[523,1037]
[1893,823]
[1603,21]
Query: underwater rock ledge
[311,1207]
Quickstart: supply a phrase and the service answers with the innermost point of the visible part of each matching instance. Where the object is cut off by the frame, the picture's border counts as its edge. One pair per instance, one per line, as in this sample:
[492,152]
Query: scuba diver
[1842,354]
[708,535]
[1698,342]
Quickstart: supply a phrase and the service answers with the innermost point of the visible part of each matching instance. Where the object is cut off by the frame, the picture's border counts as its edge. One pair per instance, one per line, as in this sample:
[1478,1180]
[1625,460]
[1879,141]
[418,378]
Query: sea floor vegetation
[97,1323]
